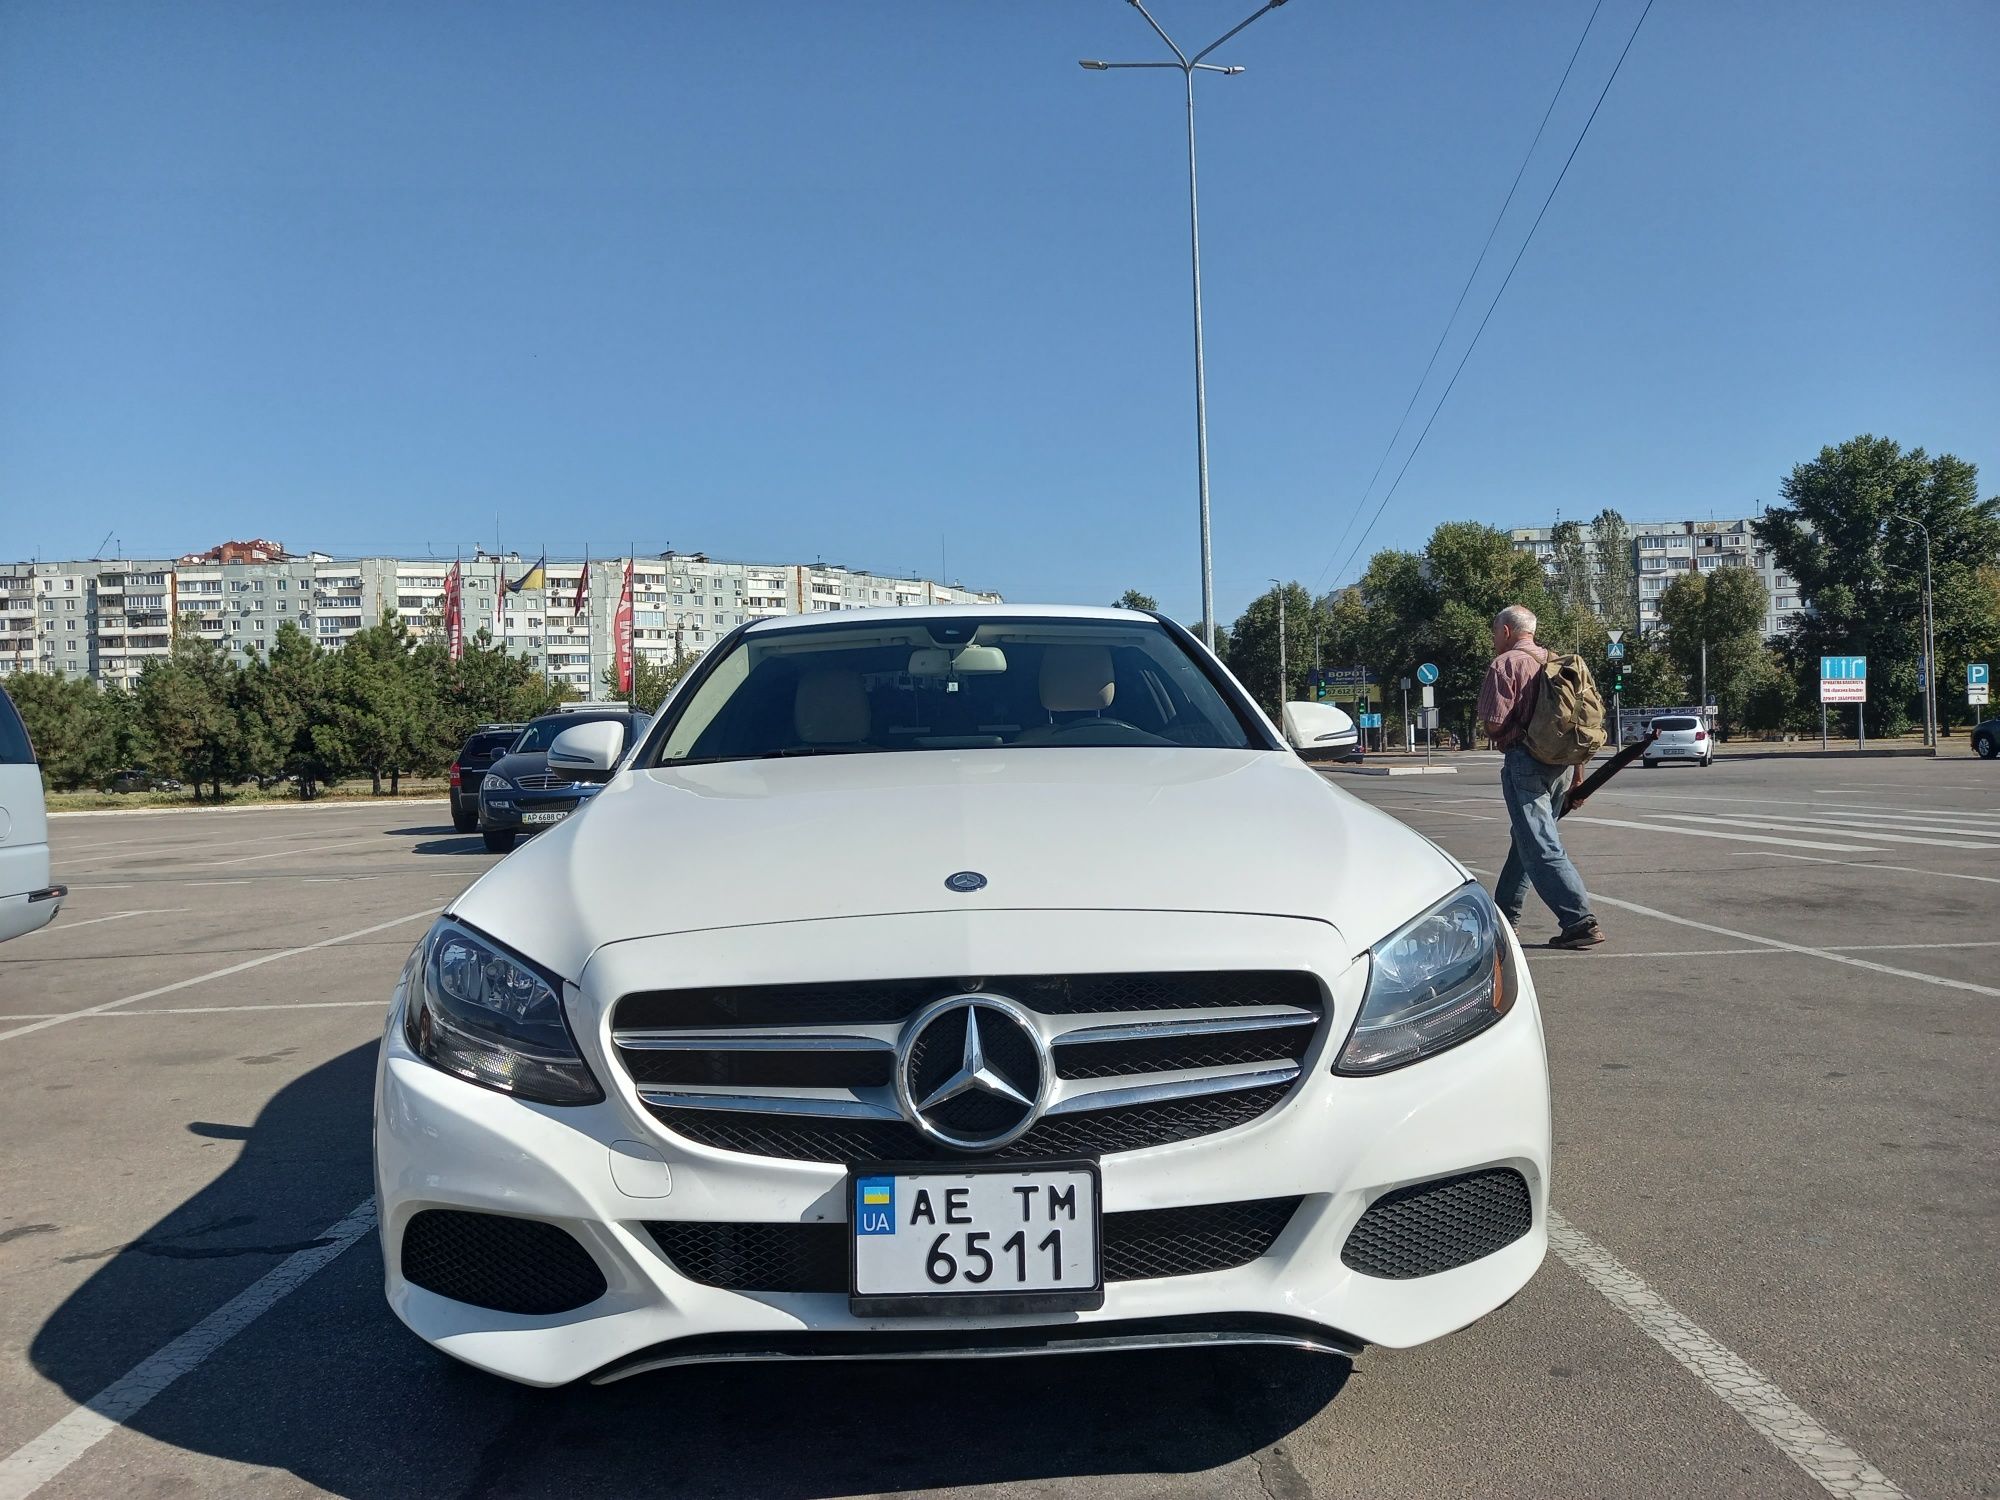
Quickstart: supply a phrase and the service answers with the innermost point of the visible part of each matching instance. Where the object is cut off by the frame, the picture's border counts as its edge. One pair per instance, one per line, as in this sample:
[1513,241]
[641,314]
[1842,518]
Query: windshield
[952,685]
[540,734]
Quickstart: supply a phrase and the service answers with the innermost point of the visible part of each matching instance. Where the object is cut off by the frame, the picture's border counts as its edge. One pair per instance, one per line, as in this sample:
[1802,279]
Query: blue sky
[883,282]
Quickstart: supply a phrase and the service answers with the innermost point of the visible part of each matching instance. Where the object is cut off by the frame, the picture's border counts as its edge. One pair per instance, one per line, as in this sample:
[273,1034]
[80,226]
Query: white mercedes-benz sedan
[945,981]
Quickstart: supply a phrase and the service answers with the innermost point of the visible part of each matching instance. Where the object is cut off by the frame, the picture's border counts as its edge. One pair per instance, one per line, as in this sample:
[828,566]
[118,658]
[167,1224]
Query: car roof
[922,612]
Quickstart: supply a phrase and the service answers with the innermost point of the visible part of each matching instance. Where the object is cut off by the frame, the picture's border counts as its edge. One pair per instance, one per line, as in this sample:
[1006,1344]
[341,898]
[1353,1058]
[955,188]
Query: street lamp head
[1232,70]
[1093,64]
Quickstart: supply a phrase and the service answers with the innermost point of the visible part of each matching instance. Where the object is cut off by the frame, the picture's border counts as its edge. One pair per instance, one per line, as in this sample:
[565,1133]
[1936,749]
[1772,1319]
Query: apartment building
[1662,550]
[103,620]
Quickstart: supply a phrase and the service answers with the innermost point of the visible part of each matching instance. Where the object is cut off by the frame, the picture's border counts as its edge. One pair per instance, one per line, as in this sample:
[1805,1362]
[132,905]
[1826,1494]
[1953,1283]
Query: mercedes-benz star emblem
[972,1072]
[965,882]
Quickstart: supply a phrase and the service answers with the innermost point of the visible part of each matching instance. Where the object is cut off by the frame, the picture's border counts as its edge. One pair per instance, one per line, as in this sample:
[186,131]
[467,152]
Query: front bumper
[505,811]
[601,1172]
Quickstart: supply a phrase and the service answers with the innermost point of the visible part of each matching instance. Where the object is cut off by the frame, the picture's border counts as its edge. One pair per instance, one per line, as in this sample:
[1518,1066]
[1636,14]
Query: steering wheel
[1079,728]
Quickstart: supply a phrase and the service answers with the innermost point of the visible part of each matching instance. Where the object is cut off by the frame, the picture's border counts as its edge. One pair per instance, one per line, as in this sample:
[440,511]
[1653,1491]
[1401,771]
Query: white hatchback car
[938,982]
[1683,738]
[27,900]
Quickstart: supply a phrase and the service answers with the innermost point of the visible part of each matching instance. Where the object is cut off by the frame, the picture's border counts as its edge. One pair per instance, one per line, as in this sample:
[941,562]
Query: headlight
[493,1018]
[494,783]
[1438,981]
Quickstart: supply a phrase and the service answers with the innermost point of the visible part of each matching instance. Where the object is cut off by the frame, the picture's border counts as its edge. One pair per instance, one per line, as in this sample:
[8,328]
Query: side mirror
[589,752]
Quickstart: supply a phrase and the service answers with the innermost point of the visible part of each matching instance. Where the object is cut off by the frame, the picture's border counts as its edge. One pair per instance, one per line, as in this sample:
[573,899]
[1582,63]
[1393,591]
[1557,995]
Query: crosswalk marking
[1804,825]
[1717,833]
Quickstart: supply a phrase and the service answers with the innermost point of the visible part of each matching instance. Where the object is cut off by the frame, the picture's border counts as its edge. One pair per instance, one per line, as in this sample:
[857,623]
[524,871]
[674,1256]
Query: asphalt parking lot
[1777,1172]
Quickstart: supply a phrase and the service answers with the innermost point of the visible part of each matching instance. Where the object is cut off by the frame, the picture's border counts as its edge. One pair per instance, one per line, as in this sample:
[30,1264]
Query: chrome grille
[543,781]
[804,1071]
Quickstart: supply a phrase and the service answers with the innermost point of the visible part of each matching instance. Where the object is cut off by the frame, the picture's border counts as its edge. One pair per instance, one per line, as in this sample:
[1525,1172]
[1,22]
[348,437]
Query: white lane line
[284,853]
[1863,864]
[93,921]
[41,1459]
[1813,825]
[318,809]
[223,1010]
[1769,942]
[1541,953]
[1828,1459]
[1981,815]
[1445,812]
[248,963]
[1716,833]
[130,850]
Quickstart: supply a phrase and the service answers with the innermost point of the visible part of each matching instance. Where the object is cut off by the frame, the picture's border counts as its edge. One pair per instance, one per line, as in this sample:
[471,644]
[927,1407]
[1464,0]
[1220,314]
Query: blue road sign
[1371,721]
[1843,669]
[1427,673]
[1615,651]
[1975,675]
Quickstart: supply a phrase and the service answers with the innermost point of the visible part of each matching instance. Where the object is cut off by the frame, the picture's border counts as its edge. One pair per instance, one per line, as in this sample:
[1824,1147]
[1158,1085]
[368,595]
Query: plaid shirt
[1507,696]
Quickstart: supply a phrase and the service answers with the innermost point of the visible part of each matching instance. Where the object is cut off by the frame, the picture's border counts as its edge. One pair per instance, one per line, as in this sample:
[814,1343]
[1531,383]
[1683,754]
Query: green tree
[1723,610]
[1860,566]
[280,700]
[652,678]
[1617,586]
[75,728]
[1253,645]
[187,711]
[1575,572]
[1133,599]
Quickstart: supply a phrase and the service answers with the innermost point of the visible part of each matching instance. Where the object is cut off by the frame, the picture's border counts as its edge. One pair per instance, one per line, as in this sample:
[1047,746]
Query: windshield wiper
[817,750]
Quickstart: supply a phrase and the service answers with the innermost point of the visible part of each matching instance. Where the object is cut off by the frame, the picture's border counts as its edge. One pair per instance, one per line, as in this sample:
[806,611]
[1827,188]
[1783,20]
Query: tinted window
[953,684]
[490,745]
[536,736]
[14,747]
[1680,721]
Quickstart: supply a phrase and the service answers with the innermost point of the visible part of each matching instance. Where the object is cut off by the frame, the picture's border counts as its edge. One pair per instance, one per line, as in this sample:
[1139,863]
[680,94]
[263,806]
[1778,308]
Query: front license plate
[930,1242]
[536,819]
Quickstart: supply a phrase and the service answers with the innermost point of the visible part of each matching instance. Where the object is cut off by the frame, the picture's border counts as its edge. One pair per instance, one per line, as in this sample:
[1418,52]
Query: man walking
[1533,791]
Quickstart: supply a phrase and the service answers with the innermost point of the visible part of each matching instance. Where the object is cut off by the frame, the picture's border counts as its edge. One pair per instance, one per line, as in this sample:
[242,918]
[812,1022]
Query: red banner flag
[621,633]
[582,588]
[454,612]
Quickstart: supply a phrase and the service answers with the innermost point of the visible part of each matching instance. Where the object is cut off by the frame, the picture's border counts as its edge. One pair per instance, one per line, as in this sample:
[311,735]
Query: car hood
[749,842]
[525,763]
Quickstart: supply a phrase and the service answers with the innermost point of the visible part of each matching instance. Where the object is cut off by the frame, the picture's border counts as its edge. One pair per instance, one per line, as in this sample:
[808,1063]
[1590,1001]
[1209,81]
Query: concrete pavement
[1773,1115]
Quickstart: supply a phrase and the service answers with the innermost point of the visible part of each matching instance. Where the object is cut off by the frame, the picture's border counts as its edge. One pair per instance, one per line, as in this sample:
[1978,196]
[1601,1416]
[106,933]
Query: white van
[1320,729]
[27,900]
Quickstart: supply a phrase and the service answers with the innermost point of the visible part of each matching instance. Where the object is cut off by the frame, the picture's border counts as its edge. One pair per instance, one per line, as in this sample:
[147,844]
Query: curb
[1367,770]
[350,804]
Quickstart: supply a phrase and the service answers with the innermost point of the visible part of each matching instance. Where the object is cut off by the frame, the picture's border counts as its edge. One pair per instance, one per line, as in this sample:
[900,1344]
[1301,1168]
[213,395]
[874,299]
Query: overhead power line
[1506,281]
[1471,276]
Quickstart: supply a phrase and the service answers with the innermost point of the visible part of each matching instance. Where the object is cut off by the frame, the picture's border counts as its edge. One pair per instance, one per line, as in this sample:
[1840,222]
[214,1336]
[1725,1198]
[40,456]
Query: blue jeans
[1533,792]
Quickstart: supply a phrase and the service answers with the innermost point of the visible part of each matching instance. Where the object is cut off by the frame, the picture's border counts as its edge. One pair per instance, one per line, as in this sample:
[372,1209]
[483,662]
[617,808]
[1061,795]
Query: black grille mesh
[1091,1133]
[813,1257]
[489,1260]
[889,1000]
[805,1068]
[1171,1054]
[1430,1227]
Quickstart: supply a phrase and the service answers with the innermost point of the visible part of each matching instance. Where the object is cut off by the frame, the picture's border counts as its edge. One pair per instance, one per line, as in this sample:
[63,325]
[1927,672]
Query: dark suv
[519,793]
[488,743]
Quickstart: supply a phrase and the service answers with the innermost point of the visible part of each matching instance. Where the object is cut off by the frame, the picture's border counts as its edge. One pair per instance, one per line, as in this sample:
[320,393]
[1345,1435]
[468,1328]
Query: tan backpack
[1567,726]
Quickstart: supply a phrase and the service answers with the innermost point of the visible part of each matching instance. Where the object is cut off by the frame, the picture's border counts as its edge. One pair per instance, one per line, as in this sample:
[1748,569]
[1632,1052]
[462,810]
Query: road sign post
[1844,679]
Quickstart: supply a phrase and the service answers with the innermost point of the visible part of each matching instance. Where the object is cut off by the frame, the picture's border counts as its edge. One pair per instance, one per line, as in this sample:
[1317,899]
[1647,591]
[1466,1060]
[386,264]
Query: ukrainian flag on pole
[536,577]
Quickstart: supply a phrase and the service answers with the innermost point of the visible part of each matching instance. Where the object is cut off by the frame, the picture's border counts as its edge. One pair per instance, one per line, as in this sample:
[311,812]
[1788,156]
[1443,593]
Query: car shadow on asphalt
[328,1386]
[451,841]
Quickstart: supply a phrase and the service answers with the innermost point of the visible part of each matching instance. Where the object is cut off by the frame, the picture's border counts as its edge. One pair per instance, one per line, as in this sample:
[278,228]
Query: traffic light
[1618,679]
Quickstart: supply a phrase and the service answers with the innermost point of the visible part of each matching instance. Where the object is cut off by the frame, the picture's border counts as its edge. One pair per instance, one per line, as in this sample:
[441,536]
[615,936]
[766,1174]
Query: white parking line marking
[248,963]
[1864,864]
[1802,824]
[41,1459]
[1830,1461]
[1626,795]
[1726,952]
[220,1010]
[1716,833]
[282,853]
[1769,942]
[93,921]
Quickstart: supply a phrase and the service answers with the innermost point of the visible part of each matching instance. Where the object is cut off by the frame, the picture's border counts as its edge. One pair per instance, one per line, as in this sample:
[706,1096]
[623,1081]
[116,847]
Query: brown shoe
[1583,935]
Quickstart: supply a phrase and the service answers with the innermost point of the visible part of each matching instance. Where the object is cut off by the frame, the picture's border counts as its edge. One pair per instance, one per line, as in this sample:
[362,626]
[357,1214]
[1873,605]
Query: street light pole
[1189,66]
[1928,627]
[1281,646]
